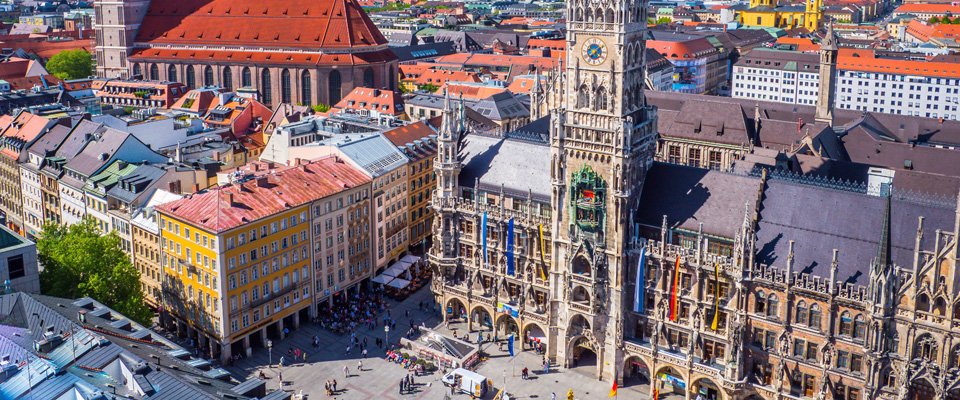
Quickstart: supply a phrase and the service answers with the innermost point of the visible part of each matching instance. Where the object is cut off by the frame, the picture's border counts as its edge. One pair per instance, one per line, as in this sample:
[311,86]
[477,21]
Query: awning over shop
[399,283]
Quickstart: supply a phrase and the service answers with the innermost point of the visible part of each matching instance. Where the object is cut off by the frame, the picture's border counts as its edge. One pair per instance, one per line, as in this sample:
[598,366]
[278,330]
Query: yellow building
[237,258]
[770,13]
[418,143]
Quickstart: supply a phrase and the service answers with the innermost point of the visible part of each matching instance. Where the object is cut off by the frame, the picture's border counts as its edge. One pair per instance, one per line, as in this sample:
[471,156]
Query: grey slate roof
[372,152]
[501,106]
[821,219]
[521,166]
[133,185]
[689,196]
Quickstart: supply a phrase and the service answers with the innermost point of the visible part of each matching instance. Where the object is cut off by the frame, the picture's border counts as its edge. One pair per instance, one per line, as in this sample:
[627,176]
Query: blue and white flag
[483,233]
[638,292]
[510,261]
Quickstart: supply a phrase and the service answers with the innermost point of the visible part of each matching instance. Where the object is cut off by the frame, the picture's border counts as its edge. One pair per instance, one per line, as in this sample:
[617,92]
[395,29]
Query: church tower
[115,26]
[603,139]
[447,169]
[827,91]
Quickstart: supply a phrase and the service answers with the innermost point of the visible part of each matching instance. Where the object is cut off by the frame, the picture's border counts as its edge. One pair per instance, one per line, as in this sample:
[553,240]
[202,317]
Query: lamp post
[386,335]
[270,351]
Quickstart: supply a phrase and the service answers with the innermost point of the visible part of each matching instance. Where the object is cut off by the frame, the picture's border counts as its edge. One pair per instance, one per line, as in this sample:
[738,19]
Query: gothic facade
[682,279]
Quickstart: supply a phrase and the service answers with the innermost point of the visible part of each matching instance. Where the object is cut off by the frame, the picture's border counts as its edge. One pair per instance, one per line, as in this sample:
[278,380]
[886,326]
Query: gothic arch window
[368,78]
[191,77]
[801,315]
[600,99]
[772,304]
[583,96]
[760,305]
[208,76]
[609,18]
[580,295]
[154,72]
[266,87]
[814,316]
[598,15]
[246,79]
[579,14]
[859,327]
[940,307]
[286,91]
[306,88]
[846,323]
[581,266]
[956,310]
[588,15]
[172,73]
[923,302]
[333,87]
[227,81]
[954,357]
[137,69]
[926,348]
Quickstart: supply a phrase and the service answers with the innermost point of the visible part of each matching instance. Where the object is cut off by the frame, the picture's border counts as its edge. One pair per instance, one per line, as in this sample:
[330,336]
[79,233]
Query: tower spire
[826,92]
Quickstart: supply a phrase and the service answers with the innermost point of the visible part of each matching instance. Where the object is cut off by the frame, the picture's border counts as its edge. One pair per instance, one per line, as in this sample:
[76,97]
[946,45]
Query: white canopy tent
[399,283]
[382,279]
[399,269]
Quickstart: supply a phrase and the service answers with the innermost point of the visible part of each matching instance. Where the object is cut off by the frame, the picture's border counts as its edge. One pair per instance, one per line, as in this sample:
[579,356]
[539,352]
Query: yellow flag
[716,297]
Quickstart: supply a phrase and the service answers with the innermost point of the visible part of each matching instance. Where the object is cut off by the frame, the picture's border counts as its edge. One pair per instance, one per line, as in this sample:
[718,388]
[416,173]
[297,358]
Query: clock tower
[603,141]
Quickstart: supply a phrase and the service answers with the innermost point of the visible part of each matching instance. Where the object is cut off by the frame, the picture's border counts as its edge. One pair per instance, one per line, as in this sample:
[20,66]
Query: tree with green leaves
[428,87]
[71,64]
[80,262]
[934,20]
[321,108]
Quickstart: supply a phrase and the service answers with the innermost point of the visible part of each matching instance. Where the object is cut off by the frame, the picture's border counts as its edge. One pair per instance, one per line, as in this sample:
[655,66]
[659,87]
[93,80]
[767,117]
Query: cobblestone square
[380,379]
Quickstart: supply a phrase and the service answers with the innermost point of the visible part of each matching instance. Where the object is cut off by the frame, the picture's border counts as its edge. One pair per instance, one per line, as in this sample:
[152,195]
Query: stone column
[226,351]
[280,328]
[247,351]
[296,320]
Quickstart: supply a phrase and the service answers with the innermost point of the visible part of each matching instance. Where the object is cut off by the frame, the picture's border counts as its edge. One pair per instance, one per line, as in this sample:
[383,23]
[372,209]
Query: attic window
[247,11]
[276,37]
[227,12]
[284,11]
[265,10]
[210,10]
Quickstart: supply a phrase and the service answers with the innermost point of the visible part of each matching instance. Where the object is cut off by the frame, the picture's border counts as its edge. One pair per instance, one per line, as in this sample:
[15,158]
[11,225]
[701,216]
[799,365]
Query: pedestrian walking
[401,386]
[280,378]
[360,365]
[553,396]
[364,341]
[281,361]
[346,372]
[334,385]
[348,349]
[304,356]
[364,353]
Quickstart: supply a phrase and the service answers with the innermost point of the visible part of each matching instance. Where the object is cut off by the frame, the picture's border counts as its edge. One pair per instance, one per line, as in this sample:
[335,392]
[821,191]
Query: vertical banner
[673,291]
[543,259]
[639,291]
[510,345]
[716,297]
[483,233]
[510,261]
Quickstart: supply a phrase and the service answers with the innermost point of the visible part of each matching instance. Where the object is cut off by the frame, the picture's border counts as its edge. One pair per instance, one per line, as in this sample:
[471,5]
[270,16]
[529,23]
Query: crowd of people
[360,309]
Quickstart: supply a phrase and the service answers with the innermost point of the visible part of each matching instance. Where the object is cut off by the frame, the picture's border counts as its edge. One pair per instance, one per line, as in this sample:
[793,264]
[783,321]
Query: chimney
[230,199]
[262,181]
[196,187]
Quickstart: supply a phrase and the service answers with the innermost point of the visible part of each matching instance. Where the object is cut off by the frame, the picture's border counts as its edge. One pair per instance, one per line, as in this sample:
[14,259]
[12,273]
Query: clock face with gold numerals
[594,51]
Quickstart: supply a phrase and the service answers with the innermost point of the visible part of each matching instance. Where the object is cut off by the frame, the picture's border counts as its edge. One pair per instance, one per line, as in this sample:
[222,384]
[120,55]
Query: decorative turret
[826,92]
[447,168]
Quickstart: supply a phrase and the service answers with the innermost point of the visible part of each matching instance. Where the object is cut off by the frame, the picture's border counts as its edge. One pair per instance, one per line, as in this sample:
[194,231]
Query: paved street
[380,379]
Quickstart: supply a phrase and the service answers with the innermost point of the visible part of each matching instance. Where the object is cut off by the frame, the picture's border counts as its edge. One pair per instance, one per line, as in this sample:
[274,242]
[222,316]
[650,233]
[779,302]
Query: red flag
[613,390]
[673,292]
[588,194]
[656,393]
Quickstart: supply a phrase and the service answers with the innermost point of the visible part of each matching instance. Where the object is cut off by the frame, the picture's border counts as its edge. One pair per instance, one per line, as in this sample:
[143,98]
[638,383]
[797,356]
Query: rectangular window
[15,267]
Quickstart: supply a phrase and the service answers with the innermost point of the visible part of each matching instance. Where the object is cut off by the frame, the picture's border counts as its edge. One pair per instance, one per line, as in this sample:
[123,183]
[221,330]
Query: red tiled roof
[689,49]
[471,92]
[24,128]
[403,135]
[265,195]
[382,101]
[865,60]
[924,8]
[311,24]
[440,76]
[802,44]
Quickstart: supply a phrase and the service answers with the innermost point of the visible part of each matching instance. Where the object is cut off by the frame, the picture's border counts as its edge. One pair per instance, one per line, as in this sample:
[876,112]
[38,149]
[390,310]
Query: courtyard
[380,379]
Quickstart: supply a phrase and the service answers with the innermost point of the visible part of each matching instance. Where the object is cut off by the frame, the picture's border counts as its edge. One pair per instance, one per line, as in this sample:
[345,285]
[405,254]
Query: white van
[465,381]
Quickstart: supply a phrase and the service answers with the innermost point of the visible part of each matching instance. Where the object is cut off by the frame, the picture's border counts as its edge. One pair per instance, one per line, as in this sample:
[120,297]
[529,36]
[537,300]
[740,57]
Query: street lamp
[386,335]
[270,351]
